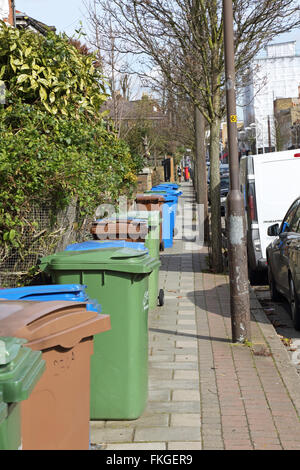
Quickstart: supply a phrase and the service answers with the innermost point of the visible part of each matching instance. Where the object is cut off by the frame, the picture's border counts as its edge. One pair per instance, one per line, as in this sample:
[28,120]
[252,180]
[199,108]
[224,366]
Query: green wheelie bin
[152,242]
[3,423]
[119,279]
[20,370]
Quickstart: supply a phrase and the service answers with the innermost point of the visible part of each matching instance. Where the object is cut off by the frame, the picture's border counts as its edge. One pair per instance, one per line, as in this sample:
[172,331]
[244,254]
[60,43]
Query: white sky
[66,16]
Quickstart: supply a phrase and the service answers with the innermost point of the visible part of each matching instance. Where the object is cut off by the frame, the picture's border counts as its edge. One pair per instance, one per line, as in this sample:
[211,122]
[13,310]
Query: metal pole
[237,252]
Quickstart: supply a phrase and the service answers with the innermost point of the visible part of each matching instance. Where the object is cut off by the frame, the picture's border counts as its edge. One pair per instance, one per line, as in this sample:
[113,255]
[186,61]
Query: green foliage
[55,145]
[49,72]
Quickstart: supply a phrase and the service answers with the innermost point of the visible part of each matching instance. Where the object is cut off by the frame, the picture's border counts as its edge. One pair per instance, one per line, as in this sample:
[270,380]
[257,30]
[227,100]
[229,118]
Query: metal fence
[45,233]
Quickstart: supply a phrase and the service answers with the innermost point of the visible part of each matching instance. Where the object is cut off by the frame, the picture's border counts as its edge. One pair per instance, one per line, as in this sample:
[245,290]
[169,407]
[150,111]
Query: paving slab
[211,394]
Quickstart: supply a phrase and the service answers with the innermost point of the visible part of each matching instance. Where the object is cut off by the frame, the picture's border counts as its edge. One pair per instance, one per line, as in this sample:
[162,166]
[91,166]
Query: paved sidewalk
[205,392]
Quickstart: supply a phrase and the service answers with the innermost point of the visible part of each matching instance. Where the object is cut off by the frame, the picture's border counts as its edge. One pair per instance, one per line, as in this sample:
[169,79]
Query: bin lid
[167,196]
[71,292]
[133,217]
[150,197]
[123,228]
[49,324]
[167,185]
[166,193]
[156,191]
[20,369]
[102,244]
[30,292]
[9,349]
[166,188]
[119,219]
[109,259]
[153,217]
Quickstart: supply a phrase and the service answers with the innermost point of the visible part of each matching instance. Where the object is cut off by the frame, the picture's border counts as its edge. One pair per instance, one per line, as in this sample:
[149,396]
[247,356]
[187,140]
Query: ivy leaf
[22,78]
[43,81]
[46,105]
[28,51]
[18,62]
[12,234]
[43,94]
[2,71]
[11,61]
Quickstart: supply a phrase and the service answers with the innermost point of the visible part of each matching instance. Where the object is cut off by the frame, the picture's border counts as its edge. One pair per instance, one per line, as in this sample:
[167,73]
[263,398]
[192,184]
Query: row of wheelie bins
[75,348]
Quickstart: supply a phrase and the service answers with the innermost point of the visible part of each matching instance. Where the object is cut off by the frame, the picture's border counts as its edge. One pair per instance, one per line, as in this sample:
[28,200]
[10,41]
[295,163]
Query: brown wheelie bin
[56,415]
[119,229]
[152,202]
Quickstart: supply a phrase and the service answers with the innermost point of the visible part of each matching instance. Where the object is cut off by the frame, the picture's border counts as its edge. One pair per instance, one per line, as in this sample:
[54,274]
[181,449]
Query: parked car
[269,184]
[283,258]
[224,189]
[224,168]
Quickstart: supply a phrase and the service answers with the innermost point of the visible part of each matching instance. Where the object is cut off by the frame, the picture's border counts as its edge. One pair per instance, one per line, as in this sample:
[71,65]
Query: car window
[295,224]
[224,182]
[286,224]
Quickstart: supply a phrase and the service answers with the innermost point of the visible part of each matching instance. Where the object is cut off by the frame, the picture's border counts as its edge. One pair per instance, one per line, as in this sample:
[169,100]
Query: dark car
[283,257]
[224,189]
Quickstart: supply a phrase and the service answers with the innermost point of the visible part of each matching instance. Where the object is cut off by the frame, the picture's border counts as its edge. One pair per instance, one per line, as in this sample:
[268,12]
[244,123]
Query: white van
[270,182]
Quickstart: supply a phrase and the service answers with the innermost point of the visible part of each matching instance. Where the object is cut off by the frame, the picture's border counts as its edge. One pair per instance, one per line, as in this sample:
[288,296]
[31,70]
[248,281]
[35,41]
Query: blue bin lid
[102,244]
[165,188]
[69,292]
[168,184]
[173,192]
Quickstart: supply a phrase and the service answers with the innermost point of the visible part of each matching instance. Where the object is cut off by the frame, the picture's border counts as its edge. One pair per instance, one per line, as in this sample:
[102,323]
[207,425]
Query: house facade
[7,11]
[287,122]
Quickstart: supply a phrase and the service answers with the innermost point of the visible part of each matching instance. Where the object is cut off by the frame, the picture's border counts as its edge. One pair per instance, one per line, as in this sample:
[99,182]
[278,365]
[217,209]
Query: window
[286,224]
[295,225]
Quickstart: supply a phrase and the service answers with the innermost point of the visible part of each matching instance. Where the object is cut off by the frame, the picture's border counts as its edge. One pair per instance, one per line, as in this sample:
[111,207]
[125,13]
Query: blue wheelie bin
[95,244]
[173,192]
[168,188]
[161,187]
[167,185]
[70,292]
[169,210]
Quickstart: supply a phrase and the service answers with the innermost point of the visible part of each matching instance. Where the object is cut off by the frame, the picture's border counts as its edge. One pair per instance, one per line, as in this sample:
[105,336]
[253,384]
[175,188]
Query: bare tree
[184,38]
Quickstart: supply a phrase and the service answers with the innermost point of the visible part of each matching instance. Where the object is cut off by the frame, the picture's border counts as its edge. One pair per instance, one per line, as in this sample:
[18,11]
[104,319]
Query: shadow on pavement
[189,335]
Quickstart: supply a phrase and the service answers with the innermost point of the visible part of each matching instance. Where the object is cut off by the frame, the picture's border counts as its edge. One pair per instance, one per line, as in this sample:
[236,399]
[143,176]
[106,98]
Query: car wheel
[294,305]
[253,276]
[275,295]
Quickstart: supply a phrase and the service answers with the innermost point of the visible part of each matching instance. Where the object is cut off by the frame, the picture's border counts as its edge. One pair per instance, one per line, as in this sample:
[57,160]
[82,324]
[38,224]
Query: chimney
[12,14]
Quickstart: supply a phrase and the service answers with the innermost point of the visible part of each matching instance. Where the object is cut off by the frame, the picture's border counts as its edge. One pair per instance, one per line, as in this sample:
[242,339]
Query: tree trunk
[200,167]
[216,235]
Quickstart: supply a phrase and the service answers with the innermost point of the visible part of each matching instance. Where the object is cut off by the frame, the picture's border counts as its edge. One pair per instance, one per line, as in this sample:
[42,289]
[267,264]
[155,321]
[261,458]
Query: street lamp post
[237,253]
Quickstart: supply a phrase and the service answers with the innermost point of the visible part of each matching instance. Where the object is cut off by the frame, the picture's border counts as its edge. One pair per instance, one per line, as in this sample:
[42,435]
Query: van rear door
[277,185]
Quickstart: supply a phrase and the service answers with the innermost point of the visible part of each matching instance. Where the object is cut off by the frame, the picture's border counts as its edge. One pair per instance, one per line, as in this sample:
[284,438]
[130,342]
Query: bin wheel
[161,297]
[162,246]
